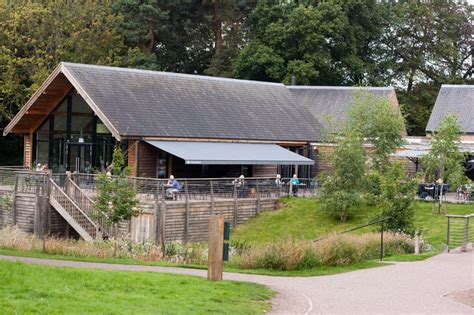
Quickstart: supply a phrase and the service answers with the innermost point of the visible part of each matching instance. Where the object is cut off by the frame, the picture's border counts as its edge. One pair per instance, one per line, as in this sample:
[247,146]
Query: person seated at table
[173,187]
[294,183]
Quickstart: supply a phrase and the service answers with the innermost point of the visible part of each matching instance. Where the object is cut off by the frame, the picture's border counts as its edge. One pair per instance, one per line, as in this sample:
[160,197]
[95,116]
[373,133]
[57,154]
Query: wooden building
[185,125]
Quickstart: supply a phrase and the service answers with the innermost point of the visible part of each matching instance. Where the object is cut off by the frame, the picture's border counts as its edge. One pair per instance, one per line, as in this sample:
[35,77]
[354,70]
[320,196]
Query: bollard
[215,264]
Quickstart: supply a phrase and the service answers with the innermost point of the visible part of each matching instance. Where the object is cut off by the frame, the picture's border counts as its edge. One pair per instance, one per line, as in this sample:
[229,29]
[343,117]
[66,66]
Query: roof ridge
[458,85]
[183,75]
[321,87]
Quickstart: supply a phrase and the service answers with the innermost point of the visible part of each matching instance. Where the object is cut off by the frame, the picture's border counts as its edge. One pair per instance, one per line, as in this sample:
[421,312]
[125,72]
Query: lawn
[302,218]
[28,288]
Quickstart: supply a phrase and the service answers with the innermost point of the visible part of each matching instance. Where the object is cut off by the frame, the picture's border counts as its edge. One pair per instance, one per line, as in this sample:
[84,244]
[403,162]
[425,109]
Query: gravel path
[410,287]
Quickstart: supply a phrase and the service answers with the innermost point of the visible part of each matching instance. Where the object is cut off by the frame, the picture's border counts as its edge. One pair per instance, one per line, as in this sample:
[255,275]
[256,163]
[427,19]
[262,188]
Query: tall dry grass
[14,238]
[334,251]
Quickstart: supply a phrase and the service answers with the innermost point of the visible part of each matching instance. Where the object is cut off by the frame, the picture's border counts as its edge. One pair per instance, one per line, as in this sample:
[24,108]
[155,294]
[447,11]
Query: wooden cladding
[147,160]
[132,157]
[27,149]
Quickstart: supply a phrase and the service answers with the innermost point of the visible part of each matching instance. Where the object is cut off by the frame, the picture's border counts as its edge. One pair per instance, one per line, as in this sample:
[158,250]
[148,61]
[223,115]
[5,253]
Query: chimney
[293,80]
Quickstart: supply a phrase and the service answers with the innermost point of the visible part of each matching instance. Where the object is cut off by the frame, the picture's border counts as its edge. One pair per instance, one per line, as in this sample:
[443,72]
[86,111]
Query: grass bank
[54,290]
[302,218]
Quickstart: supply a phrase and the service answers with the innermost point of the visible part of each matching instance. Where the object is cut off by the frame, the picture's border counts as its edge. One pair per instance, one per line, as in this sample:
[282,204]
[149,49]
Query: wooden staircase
[69,209]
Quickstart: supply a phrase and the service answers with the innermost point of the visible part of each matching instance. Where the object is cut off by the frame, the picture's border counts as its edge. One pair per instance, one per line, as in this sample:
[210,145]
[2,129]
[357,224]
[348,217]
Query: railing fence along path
[460,231]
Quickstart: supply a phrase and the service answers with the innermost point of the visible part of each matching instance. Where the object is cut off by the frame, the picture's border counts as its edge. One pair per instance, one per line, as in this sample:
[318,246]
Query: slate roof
[152,103]
[330,102]
[456,99]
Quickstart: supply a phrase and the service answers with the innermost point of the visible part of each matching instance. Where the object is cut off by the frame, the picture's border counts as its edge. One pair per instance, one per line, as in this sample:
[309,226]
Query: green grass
[56,290]
[303,219]
[319,271]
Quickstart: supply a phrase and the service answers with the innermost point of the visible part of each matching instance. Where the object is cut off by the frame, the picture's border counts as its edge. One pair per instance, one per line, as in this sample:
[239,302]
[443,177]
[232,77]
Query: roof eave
[31,101]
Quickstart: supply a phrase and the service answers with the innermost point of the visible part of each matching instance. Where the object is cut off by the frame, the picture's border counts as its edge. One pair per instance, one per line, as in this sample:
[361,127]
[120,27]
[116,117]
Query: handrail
[83,220]
[86,204]
[381,221]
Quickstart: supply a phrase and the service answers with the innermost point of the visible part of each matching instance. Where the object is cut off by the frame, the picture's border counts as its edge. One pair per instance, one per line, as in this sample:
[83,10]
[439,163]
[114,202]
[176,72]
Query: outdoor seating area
[150,189]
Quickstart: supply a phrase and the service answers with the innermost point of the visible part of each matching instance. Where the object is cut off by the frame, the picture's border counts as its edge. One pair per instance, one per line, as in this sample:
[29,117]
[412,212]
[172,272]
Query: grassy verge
[54,290]
[319,271]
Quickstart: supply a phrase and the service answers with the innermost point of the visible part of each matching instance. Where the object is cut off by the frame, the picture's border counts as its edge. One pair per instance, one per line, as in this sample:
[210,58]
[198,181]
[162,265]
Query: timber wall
[188,222]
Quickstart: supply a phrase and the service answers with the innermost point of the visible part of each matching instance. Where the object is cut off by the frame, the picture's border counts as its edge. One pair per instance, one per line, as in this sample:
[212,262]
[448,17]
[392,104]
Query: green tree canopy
[445,160]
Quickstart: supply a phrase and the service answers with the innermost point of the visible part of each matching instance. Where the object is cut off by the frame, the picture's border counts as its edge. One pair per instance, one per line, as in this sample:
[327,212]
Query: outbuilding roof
[330,104]
[456,99]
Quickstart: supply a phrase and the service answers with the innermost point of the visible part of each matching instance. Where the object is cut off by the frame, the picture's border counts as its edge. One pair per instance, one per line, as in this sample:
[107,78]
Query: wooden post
[235,206]
[15,189]
[212,197]
[163,223]
[215,265]
[258,197]
[186,213]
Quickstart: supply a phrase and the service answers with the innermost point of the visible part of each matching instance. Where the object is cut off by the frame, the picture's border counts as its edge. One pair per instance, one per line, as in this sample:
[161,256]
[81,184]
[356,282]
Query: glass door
[79,157]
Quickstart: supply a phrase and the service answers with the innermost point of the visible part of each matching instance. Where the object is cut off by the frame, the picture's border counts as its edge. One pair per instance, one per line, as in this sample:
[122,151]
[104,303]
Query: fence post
[258,196]
[235,205]
[215,264]
[186,213]
[465,236]
[163,225]
[15,189]
[212,197]
[448,233]
[381,243]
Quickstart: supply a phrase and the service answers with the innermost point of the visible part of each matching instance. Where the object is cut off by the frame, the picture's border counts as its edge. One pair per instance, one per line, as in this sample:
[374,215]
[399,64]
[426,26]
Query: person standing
[294,184]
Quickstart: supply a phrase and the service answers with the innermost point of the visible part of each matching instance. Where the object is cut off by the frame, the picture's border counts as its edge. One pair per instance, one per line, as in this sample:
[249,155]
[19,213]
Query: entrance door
[79,157]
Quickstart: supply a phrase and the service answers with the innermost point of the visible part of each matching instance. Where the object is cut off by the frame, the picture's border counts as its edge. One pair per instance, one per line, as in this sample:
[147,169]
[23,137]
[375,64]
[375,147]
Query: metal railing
[208,188]
[460,232]
[376,222]
[81,218]
[23,181]
[86,204]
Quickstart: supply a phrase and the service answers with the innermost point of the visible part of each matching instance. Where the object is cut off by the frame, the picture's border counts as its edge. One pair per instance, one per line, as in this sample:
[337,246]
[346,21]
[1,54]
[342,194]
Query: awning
[211,153]
[410,153]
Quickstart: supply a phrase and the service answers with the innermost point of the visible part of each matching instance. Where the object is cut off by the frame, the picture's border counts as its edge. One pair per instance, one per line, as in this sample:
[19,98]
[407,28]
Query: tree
[56,31]
[116,198]
[341,189]
[321,43]
[380,123]
[396,198]
[445,160]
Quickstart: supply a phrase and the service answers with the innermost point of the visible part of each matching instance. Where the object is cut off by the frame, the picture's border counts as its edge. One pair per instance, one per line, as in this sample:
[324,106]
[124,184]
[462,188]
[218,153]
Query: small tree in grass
[341,190]
[116,198]
[445,159]
[397,195]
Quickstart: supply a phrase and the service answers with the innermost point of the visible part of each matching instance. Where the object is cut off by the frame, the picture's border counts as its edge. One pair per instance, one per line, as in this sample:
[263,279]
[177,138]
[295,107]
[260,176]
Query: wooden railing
[74,211]
[86,204]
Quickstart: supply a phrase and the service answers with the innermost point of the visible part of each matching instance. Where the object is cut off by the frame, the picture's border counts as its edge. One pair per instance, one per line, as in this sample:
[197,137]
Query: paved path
[410,287]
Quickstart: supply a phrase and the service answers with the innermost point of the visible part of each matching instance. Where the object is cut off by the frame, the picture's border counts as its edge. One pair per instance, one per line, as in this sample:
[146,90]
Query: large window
[73,138]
